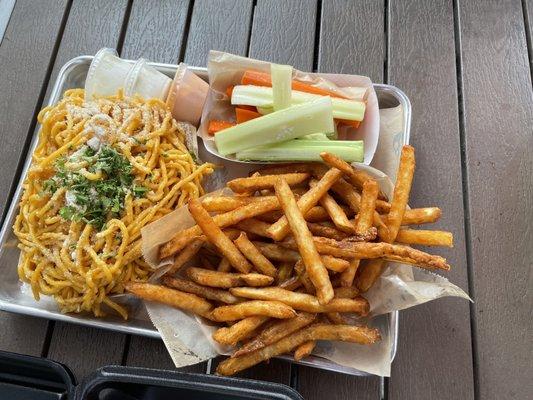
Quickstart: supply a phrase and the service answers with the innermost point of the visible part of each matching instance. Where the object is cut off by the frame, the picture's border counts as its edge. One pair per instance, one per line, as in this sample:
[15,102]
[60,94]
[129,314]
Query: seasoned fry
[304,350]
[215,235]
[425,237]
[347,333]
[356,177]
[203,291]
[284,271]
[275,332]
[228,203]
[346,292]
[274,309]
[313,264]
[185,255]
[363,223]
[255,226]
[224,265]
[280,229]
[353,200]
[254,183]
[370,272]
[370,234]
[171,297]
[302,301]
[315,214]
[402,188]
[276,252]
[239,331]
[416,216]
[260,262]
[364,250]
[299,267]
[336,318]
[335,212]
[182,238]
[292,283]
[218,279]
[326,231]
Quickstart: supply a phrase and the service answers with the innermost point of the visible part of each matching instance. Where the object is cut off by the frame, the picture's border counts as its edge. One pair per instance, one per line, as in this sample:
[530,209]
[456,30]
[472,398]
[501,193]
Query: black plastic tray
[27,377]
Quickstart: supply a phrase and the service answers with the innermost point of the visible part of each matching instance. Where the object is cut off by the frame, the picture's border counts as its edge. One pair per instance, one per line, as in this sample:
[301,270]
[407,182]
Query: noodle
[69,250]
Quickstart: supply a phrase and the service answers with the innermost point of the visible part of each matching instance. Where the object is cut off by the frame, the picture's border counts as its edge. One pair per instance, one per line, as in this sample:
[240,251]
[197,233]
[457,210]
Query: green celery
[259,96]
[305,150]
[279,126]
[315,136]
[281,85]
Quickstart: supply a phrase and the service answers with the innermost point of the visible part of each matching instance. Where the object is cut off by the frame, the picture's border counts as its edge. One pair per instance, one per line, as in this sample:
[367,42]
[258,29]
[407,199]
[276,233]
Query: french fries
[203,291]
[186,255]
[316,237]
[313,263]
[226,279]
[215,235]
[335,212]
[363,223]
[260,262]
[274,309]
[280,229]
[254,183]
[171,297]
[402,188]
[304,350]
[425,237]
[182,238]
[239,331]
[275,332]
[346,333]
[302,301]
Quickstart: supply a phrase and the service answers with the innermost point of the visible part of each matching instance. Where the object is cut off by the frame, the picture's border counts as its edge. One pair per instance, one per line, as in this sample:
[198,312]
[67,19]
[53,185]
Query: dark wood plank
[498,138]
[155,30]
[352,38]
[25,53]
[91,25]
[422,63]
[85,349]
[284,32]
[351,41]
[218,25]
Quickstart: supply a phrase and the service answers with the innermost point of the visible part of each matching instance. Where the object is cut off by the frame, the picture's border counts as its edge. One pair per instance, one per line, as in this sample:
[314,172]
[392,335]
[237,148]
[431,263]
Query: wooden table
[464,65]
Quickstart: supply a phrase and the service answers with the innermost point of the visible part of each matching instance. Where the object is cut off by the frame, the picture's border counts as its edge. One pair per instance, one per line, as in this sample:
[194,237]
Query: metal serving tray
[17,298]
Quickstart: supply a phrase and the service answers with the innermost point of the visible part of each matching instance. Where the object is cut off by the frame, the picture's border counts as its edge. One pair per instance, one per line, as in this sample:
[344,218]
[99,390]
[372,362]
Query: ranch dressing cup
[106,75]
[187,95]
[146,81]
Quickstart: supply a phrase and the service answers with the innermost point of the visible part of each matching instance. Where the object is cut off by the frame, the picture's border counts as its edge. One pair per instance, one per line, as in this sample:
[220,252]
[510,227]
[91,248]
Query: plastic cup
[106,75]
[146,81]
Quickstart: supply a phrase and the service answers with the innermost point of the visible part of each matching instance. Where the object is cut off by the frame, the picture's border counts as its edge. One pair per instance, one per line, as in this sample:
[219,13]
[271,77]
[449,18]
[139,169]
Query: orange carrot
[216,125]
[347,122]
[262,79]
[244,115]
[249,108]
[229,91]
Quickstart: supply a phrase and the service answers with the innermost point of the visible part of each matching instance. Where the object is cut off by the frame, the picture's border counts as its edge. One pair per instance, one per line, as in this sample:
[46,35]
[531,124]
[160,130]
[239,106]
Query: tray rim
[147,332]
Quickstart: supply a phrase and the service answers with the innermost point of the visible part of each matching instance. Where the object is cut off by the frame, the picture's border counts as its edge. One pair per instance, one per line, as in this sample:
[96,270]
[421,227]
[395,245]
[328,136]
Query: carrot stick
[229,91]
[244,115]
[216,125]
[347,122]
[262,79]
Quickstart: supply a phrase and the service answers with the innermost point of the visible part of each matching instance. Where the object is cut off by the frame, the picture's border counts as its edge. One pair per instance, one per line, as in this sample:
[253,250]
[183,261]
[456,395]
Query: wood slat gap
[466,197]
[249,41]
[316,51]
[185,36]
[124,28]
[527,25]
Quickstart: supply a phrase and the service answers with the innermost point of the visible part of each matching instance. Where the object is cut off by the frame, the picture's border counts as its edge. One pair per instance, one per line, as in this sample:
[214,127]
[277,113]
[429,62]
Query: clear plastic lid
[107,74]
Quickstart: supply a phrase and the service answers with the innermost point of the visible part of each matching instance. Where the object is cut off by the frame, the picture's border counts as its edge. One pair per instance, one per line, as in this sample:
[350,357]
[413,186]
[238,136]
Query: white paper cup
[147,82]
[106,75]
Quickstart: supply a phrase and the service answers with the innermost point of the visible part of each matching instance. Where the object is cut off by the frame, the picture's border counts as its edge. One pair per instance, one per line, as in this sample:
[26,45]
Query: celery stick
[290,123]
[259,96]
[281,85]
[305,150]
[265,110]
[315,136]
